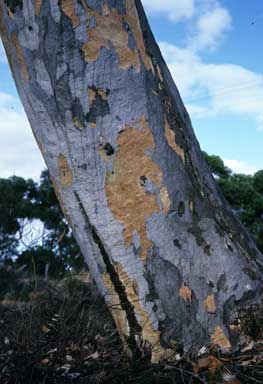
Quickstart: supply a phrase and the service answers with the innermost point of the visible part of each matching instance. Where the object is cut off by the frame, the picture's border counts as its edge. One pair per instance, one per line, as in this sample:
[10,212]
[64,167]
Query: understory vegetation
[64,334]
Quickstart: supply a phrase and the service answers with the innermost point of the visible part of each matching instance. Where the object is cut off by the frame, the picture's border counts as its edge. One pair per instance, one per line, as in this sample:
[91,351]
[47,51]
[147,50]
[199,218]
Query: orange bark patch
[159,73]
[170,137]
[20,56]
[210,304]
[109,28]
[220,339]
[92,95]
[185,293]
[166,203]
[126,195]
[65,173]
[92,92]
[38,5]
[68,7]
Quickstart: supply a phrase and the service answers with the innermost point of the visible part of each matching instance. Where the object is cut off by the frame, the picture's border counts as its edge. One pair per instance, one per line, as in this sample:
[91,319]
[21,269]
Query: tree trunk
[163,246]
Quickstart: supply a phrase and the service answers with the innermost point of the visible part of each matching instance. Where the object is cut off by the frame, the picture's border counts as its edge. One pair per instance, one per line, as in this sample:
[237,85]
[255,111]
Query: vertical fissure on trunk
[126,305]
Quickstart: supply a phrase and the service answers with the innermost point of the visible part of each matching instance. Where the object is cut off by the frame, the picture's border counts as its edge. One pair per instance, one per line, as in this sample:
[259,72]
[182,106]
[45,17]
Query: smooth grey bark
[163,246]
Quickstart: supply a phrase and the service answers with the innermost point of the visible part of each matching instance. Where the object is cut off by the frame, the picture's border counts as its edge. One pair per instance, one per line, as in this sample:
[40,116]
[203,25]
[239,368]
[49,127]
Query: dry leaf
[229,379]
[94,356]
[87,347]
[202,351]
[44,361]
[66,368]
[249,347]
[52,351]
[98,338]
[45,329]
[210,362]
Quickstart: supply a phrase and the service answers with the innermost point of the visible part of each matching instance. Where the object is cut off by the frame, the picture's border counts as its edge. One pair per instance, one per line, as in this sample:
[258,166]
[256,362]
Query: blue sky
[214,51]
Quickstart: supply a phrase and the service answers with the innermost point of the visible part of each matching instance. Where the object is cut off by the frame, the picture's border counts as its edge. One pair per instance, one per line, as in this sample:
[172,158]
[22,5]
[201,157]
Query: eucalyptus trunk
[165,249]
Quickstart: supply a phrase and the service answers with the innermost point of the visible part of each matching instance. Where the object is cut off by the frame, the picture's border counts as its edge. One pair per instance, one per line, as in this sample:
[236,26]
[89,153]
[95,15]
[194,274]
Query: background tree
[217,165]
[23,204]
[244,193]
[247,201]
[165,249]
[258,181]
[16,202]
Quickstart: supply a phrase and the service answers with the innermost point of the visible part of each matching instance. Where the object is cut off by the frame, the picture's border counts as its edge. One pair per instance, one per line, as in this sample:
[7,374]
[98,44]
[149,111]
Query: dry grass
[65,334]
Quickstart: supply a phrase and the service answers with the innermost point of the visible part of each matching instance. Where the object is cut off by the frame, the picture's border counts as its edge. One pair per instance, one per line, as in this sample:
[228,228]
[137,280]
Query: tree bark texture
[164,248]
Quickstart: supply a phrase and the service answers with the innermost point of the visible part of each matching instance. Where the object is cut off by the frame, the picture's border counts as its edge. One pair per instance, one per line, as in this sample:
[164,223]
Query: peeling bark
[166,251]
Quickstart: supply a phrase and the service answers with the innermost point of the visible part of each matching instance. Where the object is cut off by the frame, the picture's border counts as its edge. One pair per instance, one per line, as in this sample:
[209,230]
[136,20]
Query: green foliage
[13,287]
[16,203]
[216,165]
[245,195]
[258,181]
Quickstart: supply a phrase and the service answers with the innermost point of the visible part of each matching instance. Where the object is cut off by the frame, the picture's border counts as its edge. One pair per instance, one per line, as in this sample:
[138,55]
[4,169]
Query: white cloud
[208,20]
[238,166]
[3,58]
[215,88]
[176,10]
[5,98]
[210,28]
[18,151]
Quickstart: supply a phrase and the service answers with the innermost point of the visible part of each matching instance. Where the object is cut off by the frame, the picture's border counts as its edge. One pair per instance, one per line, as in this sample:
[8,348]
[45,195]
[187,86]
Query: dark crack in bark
[99,106]
[135,328]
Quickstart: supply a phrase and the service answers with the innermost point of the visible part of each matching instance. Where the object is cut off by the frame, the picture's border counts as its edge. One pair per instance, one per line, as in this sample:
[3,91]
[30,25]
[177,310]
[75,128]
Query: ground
[63,333]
